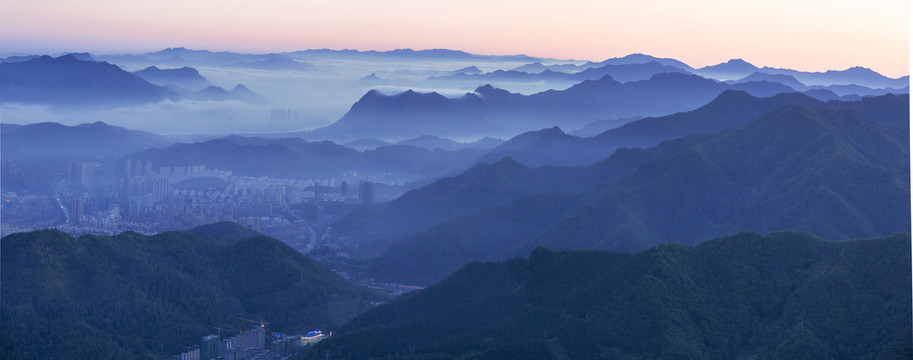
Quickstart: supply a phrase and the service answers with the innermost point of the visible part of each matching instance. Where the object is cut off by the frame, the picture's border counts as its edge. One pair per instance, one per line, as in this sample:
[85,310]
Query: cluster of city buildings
[252,344]
[135,195]
[101,198]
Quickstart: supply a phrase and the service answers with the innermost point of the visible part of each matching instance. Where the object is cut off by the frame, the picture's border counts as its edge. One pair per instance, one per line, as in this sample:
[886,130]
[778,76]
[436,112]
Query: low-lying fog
[319,93]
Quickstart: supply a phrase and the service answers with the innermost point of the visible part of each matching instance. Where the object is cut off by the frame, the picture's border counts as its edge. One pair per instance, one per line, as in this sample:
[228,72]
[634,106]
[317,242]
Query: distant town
[108,199]
[102,198]
[253,343]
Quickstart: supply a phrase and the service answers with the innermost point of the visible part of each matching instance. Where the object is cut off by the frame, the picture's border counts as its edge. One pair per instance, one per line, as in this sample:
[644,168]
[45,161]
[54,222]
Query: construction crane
[261,322]
[219,328]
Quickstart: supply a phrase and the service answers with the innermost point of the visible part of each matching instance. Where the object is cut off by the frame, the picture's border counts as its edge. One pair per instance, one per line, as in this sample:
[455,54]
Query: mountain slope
[730,70]
[134,296]
[186,77]
[783,295]
[729,109]
[69,82]
[826,171]
[493,112]
[621,72]
[477,188]
[829,172]
[855,76]
[45,146]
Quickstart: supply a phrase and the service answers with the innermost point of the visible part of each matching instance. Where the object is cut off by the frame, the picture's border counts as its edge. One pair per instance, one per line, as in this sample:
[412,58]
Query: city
[101,198]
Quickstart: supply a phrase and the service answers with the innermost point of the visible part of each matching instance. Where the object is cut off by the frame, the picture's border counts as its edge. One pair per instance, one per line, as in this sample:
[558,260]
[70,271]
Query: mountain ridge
[784,294]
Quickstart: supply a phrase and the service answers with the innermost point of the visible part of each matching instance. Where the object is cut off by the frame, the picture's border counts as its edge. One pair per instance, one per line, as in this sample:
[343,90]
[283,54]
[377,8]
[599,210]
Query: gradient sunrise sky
[811,35]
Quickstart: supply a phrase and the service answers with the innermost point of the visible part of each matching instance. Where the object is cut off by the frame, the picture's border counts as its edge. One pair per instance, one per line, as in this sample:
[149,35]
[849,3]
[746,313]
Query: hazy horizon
[809,36]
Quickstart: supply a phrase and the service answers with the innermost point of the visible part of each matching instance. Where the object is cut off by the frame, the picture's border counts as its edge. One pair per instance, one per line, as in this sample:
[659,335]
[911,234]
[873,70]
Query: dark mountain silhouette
[384,116]
[781,295]
[537,148]
[641,59]
[626,72]
[890,111]
[538,67]
[371,79]
[493,112]
[471,70]
[68,82]
[83,56]
[135,296]
[238,93]
[827,171]
[19,58]
[621,73]
[412,54]
[180,56]
[849,92]
[730,109]
[185,77]
[784,79]
[632,59]
[795,168]
[730,70]
[51,146]
[853,76]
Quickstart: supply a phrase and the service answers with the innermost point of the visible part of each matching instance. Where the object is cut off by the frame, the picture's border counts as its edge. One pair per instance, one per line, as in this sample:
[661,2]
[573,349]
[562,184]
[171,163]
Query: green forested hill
[132,296]
[746,296]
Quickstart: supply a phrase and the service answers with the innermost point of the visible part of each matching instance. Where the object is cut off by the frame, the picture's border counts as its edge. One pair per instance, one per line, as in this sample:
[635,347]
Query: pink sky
[811,35]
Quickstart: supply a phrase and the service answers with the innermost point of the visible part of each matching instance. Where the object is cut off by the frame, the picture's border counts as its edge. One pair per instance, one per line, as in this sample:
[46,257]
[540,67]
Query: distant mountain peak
[730,95]
[738,62]
[485,88]
[508,161]
[95,124]
[554,130]
[241,88]
[471,70]
[372,76]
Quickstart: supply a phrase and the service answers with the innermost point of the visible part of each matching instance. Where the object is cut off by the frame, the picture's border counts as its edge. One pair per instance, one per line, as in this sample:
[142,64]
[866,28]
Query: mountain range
[622,73]
[554,147]
[780,295]
[68,82]
[135,296]
[238,93]
[185,77]
[494,112]
[737,69]
[865,79]
[51,146]
[832,172]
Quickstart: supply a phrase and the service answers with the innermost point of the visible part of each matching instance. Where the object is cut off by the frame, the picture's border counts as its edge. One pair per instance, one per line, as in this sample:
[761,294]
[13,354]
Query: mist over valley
[444,204]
